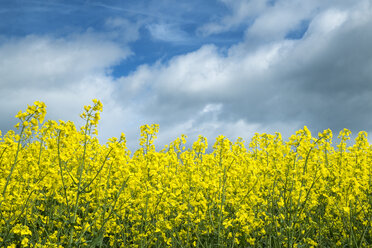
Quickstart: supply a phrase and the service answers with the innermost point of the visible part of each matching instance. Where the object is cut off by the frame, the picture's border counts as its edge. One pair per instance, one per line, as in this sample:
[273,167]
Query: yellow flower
[24,242]
[181,191]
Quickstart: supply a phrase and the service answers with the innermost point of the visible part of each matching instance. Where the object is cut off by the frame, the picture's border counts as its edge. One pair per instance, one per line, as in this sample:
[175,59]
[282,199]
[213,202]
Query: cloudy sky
[211,67]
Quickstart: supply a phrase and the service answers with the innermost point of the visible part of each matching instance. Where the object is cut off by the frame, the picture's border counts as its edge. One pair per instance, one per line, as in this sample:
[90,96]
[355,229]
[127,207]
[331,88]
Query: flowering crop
[60,187]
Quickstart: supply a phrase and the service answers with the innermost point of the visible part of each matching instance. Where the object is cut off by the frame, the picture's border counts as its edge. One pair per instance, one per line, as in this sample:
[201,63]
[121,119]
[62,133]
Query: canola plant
[60,187]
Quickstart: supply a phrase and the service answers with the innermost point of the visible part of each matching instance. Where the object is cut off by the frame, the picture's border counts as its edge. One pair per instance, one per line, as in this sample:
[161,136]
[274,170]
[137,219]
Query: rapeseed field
[60,187]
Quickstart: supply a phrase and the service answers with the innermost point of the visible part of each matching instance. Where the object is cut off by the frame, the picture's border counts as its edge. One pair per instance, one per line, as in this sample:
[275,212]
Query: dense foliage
[61,188]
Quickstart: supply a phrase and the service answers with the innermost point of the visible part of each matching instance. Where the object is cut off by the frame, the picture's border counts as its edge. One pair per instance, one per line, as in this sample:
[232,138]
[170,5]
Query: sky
[222,67]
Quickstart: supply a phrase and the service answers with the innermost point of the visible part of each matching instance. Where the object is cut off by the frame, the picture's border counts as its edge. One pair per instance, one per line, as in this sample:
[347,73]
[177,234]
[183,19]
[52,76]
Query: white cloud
[36,61]
[65,73]
[167,32]
[271,22]
[211,108]
[276,21]
[205,70]
[123,29]
[242,12]
[327,21]
[277,85]
[280,85]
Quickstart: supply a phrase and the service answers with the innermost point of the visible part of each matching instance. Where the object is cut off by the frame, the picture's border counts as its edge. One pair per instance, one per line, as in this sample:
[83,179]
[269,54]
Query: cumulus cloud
[322,80]
[266,83]
[65,73]
[44,61]
[274,23]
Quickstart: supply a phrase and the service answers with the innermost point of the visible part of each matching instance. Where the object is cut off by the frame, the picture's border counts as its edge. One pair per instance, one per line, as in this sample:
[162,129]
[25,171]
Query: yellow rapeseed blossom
[61,187]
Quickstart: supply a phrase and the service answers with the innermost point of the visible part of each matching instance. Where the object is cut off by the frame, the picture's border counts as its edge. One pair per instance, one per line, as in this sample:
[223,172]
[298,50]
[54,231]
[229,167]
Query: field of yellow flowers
[60,187]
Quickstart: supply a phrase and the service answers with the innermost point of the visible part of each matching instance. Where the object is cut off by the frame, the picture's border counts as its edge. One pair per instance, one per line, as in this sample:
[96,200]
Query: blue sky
[162,29]
[230,67]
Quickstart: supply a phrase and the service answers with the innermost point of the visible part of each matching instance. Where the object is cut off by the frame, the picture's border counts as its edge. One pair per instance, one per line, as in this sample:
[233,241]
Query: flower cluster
[60,187]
